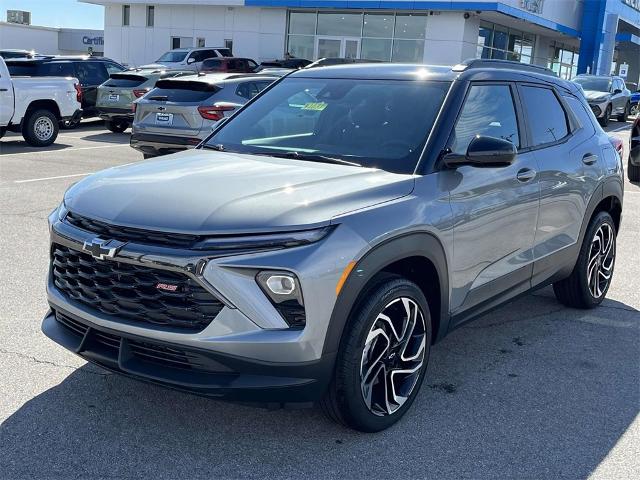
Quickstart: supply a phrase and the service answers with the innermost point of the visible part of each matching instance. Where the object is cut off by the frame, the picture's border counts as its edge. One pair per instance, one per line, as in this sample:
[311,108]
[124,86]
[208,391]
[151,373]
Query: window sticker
[317,106]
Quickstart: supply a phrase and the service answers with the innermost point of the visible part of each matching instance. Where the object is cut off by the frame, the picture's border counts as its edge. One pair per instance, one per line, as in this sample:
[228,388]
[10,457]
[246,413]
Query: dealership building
[569,36]
[51,41]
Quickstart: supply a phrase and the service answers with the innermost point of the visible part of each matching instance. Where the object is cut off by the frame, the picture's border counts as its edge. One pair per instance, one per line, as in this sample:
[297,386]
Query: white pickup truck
[35,106]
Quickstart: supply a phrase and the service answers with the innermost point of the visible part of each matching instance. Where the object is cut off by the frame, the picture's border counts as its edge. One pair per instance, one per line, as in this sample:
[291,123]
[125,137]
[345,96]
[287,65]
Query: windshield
[172,57]
[373,123]
[594,84]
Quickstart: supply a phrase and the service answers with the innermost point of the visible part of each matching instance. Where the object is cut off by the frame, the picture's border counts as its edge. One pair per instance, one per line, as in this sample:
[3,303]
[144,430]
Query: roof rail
[506,64]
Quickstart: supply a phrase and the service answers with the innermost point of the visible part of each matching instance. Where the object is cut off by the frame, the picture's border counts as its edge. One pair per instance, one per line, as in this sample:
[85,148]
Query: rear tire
[377,374]
[604,121]
[40,128]
[589,282]
[623,117]
[633,171]
[116,126]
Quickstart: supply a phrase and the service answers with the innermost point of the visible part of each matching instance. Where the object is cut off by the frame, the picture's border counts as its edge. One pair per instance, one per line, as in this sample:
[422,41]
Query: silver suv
[607,96]
[325,236]
[188,58]
[180,112]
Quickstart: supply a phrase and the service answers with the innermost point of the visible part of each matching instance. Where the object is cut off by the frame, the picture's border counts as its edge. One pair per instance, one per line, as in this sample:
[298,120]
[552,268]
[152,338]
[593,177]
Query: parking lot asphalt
[532,390]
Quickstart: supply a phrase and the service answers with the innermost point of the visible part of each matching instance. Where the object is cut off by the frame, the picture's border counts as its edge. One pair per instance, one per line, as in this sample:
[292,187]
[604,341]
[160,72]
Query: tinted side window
[91,73]
[585,116]
[488,110]
[547,118]
[57,69]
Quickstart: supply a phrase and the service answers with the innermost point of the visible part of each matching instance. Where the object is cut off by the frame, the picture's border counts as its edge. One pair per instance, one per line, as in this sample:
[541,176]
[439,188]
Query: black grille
[129,234]
[131,291]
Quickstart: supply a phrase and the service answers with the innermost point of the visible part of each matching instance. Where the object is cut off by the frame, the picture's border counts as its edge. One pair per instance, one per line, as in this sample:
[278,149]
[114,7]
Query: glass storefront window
[367,35]
[376,49]
[410,26]
[498,42]
[302,22]
[347,24]
[563,60]
[378,25]
[407,51]
[301,46]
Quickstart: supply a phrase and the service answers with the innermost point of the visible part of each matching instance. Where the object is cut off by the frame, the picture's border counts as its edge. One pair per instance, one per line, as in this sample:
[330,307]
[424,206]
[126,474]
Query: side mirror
[484,151]
[191,60]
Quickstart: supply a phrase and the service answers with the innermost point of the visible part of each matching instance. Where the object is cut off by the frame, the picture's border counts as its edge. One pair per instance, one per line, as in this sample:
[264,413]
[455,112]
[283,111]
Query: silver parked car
[188,58]
[180,112]
[607,96]
[325,236]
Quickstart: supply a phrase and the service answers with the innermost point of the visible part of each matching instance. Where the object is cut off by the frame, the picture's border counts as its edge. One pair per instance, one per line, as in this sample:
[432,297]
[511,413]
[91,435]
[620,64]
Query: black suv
[90,71]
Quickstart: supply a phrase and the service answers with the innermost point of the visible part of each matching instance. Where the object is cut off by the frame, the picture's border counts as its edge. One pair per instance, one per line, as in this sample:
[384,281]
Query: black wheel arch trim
[413,244]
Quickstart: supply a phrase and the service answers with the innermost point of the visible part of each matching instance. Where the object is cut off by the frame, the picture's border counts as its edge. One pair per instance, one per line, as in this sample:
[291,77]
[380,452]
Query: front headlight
[264,241]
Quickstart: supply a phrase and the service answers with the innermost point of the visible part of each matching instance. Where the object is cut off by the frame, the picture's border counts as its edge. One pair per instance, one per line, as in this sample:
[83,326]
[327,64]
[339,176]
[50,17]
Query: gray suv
[607,96]
[324,237]
[178,113]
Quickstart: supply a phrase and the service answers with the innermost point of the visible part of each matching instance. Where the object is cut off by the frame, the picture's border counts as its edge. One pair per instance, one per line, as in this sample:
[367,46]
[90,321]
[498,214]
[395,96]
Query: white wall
[41,39]
[256,32]
[450,38]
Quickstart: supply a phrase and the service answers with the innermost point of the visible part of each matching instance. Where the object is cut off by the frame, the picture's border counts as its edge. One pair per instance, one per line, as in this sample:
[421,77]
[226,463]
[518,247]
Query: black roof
[499,70]
[57,58]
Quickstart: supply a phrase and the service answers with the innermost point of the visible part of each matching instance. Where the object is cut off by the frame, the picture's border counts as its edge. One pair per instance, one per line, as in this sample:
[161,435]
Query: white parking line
[65,150]
[51,178]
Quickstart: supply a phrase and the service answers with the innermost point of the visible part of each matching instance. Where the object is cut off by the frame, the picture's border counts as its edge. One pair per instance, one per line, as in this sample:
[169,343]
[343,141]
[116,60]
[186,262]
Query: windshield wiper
[312,157]
[216,146]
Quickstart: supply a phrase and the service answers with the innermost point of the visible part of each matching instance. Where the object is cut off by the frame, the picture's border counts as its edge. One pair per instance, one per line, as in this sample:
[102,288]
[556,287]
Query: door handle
[526,174]
[589,159]
[4,89]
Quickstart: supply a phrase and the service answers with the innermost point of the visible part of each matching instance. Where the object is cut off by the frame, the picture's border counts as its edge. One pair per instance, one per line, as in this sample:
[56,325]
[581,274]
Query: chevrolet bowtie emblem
[101,249]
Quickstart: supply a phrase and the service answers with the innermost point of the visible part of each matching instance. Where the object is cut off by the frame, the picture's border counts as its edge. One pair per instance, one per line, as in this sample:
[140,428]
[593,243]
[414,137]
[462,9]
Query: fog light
[281,284]
[283,289]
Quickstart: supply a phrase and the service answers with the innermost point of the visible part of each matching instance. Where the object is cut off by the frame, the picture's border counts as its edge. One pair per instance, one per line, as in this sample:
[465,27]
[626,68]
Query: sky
[57,13]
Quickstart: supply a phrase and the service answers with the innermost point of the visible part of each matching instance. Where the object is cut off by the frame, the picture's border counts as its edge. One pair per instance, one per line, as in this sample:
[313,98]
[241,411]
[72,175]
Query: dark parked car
[9,53]
[635,98]
[90,71]
[292,63]
[320,240]
[633,165]
[228,65]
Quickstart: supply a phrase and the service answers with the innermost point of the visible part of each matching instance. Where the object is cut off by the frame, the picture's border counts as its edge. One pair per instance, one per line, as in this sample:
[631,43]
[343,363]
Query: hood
[595,95]
[208,192]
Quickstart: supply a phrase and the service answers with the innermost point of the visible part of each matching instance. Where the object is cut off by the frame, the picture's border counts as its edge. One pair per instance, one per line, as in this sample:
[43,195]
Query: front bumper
[155,144]
[189,369]
[260,358]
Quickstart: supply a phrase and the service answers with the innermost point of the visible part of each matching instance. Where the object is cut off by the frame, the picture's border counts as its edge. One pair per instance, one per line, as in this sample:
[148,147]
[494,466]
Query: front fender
[421,244]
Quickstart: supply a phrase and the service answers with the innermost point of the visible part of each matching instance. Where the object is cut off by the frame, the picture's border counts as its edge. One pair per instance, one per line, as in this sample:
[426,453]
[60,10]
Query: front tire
[624,115]
[604,121]
[589,282]
[40,128]
[383,356]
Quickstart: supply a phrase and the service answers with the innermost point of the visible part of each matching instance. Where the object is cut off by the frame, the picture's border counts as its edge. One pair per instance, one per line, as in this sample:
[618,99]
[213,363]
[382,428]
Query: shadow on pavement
[532,390]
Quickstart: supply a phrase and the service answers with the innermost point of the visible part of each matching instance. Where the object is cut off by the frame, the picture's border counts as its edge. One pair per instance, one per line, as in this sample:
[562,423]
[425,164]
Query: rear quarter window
[584,115]
[547,119]
[22,70]
[125,81]
[181,91]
